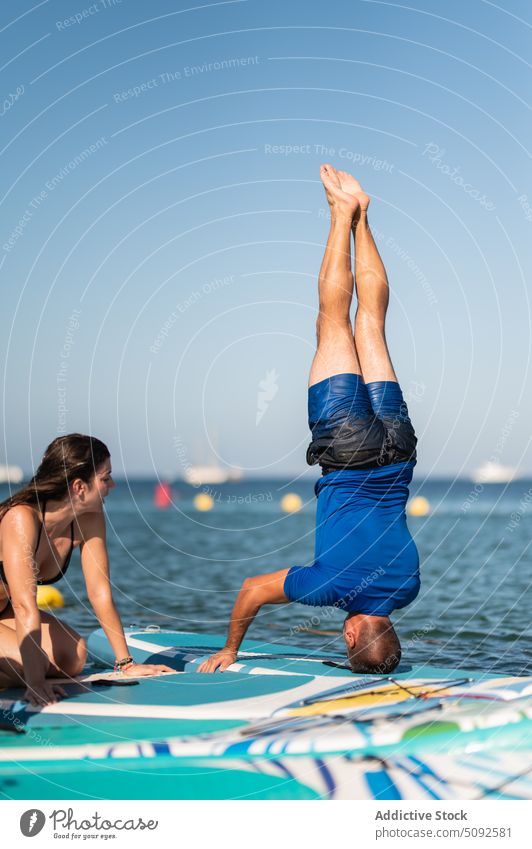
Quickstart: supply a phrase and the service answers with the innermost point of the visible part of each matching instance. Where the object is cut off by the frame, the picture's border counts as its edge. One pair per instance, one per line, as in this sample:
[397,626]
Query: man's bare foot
[352,187]
[343,204]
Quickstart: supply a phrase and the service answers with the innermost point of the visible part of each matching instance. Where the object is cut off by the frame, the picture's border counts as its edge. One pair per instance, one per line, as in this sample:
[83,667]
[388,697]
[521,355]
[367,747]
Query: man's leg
[369,334]
[373,296]
[336,352]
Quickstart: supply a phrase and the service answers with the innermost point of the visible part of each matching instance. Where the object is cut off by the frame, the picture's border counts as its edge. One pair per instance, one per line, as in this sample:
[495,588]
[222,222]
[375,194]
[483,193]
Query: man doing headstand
[366,561]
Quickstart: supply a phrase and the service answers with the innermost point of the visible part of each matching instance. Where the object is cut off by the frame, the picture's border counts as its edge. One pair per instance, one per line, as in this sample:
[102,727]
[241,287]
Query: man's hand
[221,660]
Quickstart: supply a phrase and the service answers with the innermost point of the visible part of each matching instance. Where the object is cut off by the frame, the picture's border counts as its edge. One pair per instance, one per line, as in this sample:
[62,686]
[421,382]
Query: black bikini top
[65,565]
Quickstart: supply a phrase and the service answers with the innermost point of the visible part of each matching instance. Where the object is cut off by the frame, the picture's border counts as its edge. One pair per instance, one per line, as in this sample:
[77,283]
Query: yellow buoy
[291,503]
[418,506]
[49,597]
[203,501]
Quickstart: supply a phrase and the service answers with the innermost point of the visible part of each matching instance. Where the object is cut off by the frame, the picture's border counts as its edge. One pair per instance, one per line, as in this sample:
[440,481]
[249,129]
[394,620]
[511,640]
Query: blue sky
[163,221]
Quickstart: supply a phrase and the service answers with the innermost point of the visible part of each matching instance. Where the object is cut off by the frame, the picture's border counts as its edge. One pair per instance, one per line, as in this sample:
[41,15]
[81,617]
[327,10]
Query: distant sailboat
[493,472]
[11,474]
[200,475]
[210,472]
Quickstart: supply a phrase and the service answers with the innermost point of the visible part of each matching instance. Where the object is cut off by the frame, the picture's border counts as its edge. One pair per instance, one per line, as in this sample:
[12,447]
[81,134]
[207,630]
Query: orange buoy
[162,497]
[418,506]
[291,502]
[203,502]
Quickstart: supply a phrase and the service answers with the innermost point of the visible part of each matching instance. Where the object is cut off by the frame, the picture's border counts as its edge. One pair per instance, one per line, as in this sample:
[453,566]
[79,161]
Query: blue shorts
[365,558]
[357,425]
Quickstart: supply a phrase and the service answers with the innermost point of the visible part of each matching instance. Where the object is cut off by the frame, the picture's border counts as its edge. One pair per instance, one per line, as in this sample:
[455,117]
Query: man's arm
[263,589]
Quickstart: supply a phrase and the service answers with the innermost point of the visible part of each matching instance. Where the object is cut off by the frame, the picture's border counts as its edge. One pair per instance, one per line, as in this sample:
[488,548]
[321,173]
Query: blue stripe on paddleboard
[327,777]
[236,749]
[381,785]
[280,765]
[502,796]
[425,768]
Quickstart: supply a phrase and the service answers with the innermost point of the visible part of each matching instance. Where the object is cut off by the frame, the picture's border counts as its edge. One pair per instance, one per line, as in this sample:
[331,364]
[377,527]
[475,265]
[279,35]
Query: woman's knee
[71,659]
[66,649]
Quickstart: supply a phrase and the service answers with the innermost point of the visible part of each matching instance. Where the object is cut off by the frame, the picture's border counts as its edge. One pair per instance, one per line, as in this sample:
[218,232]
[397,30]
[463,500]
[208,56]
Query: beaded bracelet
[120,664]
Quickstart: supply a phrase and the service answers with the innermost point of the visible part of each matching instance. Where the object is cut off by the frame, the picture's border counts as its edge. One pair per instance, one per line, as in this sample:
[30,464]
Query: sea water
[181,569]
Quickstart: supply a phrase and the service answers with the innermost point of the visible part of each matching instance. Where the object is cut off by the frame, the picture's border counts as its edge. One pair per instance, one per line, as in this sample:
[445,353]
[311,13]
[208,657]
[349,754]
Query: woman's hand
[143,670]
[221,660]
[42,693]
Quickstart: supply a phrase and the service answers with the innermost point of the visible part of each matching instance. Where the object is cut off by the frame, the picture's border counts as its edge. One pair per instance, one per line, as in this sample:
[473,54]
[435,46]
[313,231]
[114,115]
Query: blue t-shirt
[365,558]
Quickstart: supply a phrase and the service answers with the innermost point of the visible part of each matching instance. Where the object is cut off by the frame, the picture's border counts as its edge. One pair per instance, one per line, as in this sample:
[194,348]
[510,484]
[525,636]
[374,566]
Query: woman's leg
[65,649]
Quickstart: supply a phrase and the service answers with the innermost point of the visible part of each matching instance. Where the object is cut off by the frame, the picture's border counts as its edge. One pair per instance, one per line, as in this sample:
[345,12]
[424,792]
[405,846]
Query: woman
[59,509]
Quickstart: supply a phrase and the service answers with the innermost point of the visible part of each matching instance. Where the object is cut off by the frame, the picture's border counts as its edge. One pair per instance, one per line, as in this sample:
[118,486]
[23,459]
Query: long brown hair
[66,459]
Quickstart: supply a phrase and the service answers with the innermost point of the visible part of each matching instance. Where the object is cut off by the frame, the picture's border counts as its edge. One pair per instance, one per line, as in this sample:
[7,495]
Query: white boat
[493,472]
[200,475]
[11,474]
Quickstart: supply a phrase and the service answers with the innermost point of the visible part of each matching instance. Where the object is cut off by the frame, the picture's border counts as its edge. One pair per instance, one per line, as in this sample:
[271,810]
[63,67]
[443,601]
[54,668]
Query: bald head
[372,644]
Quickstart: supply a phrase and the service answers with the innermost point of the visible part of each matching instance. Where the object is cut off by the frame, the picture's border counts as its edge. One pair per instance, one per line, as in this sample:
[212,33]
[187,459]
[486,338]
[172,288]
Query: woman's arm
[95,565]
[19,533]
[263,589]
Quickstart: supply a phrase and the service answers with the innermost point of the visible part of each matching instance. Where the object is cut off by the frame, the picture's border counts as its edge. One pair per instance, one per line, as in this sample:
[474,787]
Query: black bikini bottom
[6,603]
